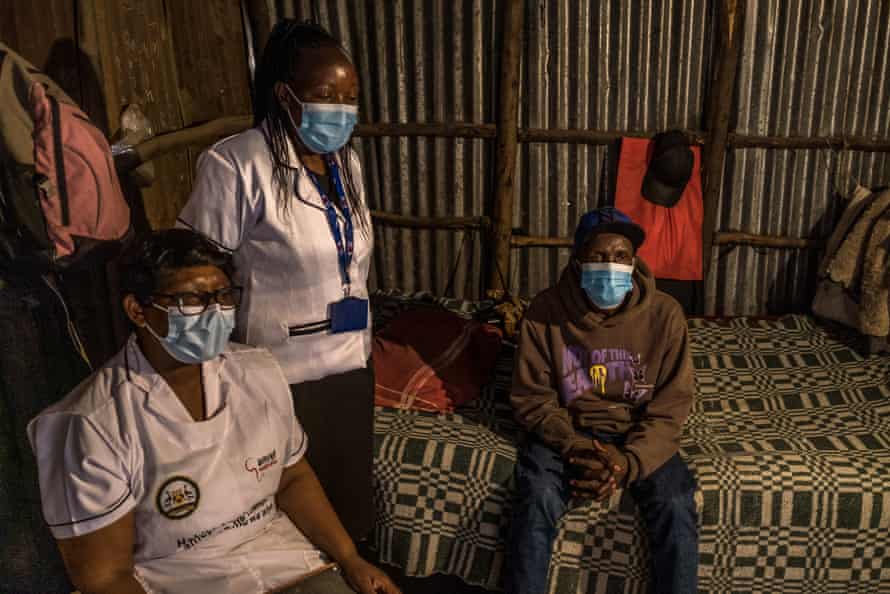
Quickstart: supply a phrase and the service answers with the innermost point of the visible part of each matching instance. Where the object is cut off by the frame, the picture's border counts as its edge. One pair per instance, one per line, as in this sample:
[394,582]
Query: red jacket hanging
[673,246]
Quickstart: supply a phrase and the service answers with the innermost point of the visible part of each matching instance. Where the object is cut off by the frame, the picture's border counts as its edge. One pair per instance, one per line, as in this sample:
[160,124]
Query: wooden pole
[843,143]
[212,130]
[730,22]
[723,238]
[523,241]
[447,130]
[600,137]
[507,145]
[164,143]
[767,241]
[455,223]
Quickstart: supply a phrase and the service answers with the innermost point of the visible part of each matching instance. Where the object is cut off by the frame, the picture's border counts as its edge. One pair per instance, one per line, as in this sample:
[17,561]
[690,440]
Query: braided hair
[282,57]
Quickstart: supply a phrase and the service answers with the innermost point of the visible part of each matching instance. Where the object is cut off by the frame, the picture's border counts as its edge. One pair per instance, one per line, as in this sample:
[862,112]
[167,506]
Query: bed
[789,439]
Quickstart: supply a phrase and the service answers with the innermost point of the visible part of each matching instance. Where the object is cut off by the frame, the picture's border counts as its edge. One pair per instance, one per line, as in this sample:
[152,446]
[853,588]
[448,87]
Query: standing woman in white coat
[286,198]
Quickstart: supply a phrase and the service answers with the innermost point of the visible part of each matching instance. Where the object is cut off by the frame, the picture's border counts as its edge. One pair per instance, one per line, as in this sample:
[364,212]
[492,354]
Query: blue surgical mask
[607,284]
[324,127]
[196,338]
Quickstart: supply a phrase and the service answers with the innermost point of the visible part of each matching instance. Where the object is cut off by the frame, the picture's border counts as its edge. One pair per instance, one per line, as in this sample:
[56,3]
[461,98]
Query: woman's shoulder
[242,147]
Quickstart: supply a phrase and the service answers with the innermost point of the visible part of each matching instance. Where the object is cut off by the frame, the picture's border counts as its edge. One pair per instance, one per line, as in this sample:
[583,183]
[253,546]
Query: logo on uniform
[178,498]
[259,465]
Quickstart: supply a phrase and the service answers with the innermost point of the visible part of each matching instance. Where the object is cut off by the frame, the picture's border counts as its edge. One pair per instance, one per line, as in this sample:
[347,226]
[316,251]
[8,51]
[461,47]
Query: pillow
[433,360]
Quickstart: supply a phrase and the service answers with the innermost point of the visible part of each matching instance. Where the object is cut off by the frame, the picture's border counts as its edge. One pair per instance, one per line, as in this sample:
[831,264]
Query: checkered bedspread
[789,439]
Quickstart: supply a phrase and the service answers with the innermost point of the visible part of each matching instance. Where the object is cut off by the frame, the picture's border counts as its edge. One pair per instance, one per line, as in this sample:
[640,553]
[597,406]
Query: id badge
[348,315]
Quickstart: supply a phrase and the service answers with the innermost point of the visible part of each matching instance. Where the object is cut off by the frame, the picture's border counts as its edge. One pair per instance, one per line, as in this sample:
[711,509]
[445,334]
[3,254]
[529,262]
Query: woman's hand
[367,579]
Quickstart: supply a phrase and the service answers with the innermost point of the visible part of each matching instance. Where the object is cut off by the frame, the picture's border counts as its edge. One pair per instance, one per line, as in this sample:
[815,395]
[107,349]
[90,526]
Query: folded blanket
[855,281]
[874,305]
[862,198]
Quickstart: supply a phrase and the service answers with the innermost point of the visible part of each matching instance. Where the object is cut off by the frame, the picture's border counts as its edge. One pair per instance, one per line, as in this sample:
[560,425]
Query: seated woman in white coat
[179,465]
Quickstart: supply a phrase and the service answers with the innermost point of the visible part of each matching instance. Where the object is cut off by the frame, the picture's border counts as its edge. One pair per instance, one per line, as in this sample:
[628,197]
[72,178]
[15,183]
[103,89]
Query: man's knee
[672,486]
[540,482]
[546,501]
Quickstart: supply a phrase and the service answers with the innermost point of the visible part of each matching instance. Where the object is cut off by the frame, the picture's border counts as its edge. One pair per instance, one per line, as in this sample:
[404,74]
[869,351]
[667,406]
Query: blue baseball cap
[607,220]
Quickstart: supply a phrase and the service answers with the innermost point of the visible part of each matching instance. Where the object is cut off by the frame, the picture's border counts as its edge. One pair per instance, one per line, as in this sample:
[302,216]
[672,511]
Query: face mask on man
[324,127]
[606,283]
[194,337]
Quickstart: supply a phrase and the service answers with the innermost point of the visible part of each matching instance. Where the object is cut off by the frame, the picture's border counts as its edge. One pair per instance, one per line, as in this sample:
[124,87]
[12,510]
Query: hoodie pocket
[597,414]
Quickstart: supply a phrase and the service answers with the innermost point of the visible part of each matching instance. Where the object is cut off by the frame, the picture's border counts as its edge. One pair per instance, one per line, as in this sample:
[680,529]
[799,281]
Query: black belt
[312,328]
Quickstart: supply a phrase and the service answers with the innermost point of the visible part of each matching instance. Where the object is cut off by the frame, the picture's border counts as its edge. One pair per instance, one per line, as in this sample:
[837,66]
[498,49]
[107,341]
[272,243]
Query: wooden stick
[767,241]
[213,130]
[722,238]
[507,144]
[524,241]
[456,223]
[849,143]
[165,143]
[579,136]
[450,130]
[731,17]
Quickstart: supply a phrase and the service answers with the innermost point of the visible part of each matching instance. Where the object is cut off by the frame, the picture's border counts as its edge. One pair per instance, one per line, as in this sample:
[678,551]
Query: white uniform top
[286,260]
[203,493]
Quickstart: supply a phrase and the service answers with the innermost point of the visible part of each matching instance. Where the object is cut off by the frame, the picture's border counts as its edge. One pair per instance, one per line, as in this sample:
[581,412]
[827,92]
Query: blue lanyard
[344,249]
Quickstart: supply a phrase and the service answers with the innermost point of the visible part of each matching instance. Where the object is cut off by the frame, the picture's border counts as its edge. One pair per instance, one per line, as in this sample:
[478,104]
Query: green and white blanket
[789,440]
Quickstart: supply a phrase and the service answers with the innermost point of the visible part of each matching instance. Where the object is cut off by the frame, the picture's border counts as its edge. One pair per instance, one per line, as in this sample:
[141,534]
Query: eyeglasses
[193,304]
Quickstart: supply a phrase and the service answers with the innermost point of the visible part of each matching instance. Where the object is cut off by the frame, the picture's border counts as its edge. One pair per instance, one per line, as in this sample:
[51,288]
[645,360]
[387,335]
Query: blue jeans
[665,499]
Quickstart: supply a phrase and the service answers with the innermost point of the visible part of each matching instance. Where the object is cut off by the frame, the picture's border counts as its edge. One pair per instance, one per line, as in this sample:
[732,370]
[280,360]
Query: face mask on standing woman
[324,127]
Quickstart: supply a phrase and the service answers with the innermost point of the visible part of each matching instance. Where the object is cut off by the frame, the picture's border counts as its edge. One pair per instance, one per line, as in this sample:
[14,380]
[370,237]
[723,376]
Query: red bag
[673,246]
[433,360]
[80,196]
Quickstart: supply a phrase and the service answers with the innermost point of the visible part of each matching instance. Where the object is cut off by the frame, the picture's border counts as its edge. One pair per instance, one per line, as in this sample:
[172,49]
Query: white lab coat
[203,493]
[286,259]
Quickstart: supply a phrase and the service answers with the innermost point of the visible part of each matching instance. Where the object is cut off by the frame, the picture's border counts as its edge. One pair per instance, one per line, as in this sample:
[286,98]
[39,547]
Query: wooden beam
[722,238]
[164,143]
[450,130]
[767,241]
[527,241]
[507,145]
[436,223]
[844,143]
[730,24]
[213,130]
[582,136]
[210,131]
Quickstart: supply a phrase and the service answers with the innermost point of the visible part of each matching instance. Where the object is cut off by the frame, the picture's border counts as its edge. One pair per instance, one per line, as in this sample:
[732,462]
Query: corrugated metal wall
[429,61]
[809,67]
[602,66]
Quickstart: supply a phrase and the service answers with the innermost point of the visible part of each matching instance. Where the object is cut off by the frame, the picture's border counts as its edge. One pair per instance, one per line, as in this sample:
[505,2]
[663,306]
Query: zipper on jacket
[62,183]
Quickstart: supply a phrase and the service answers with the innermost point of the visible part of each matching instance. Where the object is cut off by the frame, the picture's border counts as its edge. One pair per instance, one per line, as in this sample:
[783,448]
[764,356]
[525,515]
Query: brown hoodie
[632,369]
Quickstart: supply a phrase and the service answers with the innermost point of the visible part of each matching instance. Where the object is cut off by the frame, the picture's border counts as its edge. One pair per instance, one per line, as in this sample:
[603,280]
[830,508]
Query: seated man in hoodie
[603,384]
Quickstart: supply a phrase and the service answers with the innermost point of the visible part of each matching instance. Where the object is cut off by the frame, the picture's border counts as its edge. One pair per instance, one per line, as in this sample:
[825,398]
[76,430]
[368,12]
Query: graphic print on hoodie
[603,371]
